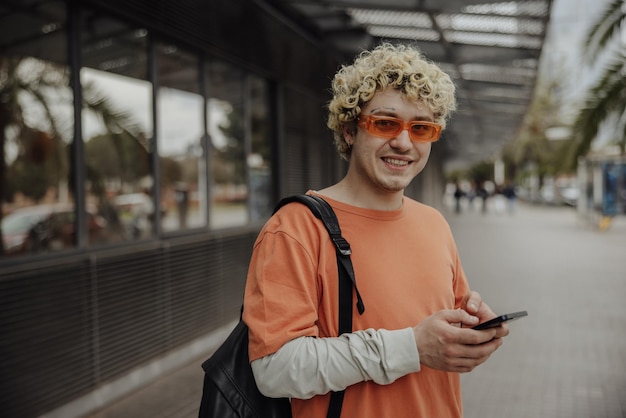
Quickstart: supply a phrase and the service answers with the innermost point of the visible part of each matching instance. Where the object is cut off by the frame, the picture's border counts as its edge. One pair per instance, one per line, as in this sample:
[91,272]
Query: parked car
[45,227]
[569,195]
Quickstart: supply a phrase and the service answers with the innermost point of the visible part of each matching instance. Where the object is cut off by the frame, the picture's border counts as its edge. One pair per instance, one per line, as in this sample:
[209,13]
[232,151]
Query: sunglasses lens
[386,127]
[421,132]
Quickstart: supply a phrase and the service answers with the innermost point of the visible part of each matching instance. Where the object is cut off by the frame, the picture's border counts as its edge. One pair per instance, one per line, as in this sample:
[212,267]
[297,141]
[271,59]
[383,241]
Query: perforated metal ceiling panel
[490,48]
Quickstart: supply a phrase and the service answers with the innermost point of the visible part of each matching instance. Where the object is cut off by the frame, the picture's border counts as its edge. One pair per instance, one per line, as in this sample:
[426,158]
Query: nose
[402,141]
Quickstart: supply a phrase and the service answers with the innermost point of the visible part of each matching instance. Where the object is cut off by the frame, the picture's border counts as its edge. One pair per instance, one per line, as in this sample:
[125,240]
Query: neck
[355,194]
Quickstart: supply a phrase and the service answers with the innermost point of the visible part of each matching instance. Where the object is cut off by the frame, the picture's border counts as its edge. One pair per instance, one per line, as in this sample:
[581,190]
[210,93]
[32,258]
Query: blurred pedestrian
[458,195]
[509,193]
[483,194]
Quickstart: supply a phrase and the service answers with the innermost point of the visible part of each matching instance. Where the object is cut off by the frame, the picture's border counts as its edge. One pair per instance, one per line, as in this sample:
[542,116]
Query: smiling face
[387,166]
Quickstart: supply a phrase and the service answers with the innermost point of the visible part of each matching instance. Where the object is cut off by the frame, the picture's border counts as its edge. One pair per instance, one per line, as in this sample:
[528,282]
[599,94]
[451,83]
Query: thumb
[461,316]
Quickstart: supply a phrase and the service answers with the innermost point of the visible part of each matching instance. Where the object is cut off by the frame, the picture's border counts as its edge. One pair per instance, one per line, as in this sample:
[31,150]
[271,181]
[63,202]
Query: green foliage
[532,147]
[605,30]
[32,180]
[117,155]
[478,173]
[34,135]
[228,161]
[607,97]
[481,172]
[171,171]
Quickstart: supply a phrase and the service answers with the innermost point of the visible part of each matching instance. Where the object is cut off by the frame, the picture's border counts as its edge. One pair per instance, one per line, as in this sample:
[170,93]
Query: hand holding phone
[499,320]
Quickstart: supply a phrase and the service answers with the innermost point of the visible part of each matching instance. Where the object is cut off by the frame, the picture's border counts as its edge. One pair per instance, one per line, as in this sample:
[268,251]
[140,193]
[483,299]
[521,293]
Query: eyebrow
[392,111]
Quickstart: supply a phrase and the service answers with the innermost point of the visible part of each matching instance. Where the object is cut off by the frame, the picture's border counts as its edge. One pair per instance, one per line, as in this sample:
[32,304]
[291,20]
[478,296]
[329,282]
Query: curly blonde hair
[402,67]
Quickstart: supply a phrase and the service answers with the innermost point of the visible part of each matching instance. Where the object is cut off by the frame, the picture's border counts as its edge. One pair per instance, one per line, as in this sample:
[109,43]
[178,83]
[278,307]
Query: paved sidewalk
[566,359]
[176,395]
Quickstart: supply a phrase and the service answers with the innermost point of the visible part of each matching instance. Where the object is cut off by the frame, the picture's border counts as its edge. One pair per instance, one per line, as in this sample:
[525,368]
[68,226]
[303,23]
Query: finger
[473,302]
[478,354]
[485,312]
[465,359]
[467,365]
[466,319]
[490,346]
[458,318]
[485,336]
[502,331]
[473,351]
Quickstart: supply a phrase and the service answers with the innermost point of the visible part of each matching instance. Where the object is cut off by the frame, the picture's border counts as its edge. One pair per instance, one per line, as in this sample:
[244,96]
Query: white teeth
[399,163]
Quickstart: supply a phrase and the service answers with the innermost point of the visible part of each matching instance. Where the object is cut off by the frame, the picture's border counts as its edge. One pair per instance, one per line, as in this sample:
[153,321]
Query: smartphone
[498,320]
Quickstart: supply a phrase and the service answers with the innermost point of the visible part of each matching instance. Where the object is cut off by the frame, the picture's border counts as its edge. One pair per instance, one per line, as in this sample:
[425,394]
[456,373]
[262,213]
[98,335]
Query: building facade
[143,144]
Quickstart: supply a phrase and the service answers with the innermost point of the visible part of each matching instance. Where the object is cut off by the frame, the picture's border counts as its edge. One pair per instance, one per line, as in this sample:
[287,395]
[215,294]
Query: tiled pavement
[566,359]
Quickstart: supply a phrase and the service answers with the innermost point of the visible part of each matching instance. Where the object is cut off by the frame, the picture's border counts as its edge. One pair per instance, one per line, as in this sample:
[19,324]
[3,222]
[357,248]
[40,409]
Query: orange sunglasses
[389,127]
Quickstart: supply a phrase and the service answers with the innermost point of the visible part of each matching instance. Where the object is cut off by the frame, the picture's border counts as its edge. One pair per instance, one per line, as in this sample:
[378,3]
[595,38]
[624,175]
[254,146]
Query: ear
[349,132]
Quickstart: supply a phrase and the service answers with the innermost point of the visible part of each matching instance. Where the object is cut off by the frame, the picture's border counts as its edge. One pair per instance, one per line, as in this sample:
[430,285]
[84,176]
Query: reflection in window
[259,159]
[117,127]
[181,129]
[37,128]
[225,117]
[36,124]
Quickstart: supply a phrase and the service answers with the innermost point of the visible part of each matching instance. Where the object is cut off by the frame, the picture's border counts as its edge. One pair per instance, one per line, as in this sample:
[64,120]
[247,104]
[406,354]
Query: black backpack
[229,387]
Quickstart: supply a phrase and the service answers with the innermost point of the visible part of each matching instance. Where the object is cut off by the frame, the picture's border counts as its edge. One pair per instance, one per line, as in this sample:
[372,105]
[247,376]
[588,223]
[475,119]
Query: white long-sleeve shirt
[308,366]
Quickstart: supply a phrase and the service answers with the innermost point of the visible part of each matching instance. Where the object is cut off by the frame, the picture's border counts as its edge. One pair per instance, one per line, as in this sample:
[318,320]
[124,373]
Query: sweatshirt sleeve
[309,366]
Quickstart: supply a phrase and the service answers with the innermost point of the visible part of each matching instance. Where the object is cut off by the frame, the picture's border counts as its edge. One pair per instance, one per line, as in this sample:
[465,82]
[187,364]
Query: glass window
[260,156]
[180,108]
[229,192]
[117,127]
[36,129]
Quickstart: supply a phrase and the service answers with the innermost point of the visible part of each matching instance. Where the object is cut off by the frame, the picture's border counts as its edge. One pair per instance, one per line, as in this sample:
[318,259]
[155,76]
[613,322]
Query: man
[415,336]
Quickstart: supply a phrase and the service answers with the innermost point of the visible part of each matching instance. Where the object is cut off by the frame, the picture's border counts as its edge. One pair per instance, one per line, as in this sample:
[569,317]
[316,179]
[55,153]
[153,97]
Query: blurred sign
[614,188]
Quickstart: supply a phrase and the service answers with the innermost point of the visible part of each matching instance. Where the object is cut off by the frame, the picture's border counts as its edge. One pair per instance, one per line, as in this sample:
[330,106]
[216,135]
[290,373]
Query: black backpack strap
[322,210]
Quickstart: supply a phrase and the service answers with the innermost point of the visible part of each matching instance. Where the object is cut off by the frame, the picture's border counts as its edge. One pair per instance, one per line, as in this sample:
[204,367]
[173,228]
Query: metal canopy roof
[490,48]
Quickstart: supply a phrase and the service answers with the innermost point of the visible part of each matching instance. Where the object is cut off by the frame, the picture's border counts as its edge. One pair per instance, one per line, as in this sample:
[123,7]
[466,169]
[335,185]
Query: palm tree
[606,99]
